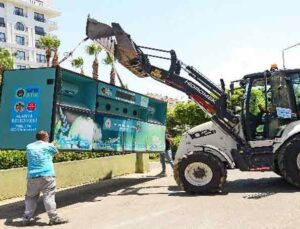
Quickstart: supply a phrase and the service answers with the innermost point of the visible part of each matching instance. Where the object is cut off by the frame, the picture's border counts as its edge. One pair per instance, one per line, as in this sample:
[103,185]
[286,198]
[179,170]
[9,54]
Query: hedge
[17,159]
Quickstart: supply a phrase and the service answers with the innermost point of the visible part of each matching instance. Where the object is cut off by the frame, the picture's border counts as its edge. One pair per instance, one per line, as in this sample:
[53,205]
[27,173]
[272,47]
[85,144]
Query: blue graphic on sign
[25,109]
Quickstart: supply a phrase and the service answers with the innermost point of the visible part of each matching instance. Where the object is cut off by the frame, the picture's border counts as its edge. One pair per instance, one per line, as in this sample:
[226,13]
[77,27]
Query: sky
[222,39]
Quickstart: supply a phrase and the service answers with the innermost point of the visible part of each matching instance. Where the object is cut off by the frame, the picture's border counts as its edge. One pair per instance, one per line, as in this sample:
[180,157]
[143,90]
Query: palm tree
[94,50]
[55,46]
[109,60]
[6,61]
[49,43]
[78,63]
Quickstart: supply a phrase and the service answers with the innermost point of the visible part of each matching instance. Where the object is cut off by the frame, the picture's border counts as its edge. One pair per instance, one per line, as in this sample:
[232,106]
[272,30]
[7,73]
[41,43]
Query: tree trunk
[81,71]
[95,68]
[112,76]
[48,56]
[55,59]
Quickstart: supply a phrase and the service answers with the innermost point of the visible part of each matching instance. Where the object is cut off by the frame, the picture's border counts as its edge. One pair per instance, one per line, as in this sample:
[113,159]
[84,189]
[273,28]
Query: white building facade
[22,23]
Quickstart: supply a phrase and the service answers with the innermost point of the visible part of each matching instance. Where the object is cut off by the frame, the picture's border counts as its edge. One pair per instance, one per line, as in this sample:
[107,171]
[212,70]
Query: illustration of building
[22,23]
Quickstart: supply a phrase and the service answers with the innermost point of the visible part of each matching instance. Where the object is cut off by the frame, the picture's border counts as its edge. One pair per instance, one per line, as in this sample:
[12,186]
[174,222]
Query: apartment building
[22,23]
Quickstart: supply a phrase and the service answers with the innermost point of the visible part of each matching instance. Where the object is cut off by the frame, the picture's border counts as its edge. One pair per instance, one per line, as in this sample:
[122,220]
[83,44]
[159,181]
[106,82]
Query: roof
[84,77]
[261,74]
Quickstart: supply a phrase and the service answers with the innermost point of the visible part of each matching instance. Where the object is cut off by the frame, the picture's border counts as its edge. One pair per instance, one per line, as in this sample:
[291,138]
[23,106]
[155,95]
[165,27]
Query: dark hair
[41,135]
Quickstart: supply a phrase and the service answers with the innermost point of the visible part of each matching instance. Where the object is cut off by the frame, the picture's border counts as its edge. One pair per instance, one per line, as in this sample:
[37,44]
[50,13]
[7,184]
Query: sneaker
[162,174]
[57,220]
[26,222]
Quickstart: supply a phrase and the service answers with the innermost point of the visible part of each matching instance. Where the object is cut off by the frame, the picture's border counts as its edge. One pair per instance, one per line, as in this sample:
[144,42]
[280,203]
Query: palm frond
[109,60]
[78,62]
[93,49]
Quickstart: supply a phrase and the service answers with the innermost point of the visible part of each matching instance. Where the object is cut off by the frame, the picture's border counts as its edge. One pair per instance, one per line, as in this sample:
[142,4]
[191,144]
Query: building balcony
[45,7]
[5,45]
[22,60]
[38,45]
[40,19]
[40,34]
[29,63]
[52,25]
[37,2]
[41,61]
[20,14]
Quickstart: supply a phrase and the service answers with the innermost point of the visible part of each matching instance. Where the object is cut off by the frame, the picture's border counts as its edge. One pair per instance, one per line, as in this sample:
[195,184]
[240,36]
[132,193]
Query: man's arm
[170,140]
[53,149]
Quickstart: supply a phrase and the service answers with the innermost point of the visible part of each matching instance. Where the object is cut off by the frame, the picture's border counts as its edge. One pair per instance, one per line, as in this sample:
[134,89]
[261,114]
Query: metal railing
[39,19]
[20,13]
[41,33]
[37,2]
[52,25]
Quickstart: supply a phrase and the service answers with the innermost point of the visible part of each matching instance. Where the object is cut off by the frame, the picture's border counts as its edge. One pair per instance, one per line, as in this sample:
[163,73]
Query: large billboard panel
[75,129]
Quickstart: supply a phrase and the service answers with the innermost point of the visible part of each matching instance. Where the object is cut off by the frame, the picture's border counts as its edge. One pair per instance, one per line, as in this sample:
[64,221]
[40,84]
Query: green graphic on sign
[78,130]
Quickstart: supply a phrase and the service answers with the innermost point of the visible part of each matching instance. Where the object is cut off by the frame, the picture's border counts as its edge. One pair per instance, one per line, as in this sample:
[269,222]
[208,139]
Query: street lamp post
[283,60]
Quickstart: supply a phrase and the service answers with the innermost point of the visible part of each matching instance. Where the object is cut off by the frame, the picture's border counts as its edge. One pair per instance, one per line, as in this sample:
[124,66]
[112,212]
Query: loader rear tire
[289,160]
[202,173]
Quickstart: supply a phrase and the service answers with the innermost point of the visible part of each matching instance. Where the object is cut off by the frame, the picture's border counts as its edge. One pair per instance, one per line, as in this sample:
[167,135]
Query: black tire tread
[282,157]
[206,190]
[176,173]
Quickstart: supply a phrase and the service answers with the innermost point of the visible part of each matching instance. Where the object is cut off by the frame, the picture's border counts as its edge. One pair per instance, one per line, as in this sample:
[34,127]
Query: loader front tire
[276,168]
[176,173]
[289,160]
[202,173]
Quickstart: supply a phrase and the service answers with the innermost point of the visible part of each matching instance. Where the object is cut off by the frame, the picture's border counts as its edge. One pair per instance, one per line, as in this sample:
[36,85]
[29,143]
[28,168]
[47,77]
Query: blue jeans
[166,156]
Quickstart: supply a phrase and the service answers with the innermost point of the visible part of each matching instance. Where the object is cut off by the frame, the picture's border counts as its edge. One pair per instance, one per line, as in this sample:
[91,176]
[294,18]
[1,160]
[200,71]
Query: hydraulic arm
[208,95]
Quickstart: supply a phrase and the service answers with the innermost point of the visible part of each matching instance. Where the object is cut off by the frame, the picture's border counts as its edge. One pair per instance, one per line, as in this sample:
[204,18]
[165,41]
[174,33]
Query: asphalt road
[249,200]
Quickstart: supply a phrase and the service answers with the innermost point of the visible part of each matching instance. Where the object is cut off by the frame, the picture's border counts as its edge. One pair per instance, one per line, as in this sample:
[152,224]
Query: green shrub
[16,159]
[154,156]
[175,143]
[12,159]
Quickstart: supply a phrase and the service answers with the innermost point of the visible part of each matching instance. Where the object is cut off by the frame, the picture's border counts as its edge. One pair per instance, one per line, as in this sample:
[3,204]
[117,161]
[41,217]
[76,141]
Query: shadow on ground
[86,193]
[252,188]
[259,188]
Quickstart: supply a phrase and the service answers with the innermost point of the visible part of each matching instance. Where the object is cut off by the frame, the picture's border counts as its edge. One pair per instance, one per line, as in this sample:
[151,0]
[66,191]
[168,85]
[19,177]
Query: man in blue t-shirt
[41,178]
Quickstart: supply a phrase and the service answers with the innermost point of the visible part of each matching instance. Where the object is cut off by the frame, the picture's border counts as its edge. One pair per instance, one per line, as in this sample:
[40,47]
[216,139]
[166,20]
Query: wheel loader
[263,134]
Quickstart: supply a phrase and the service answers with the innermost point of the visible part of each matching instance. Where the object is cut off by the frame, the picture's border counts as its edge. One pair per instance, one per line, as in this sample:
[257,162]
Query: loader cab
[271,101]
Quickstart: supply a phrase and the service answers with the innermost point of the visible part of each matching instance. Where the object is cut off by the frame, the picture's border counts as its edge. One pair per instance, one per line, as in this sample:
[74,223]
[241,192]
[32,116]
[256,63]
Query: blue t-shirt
[39,157]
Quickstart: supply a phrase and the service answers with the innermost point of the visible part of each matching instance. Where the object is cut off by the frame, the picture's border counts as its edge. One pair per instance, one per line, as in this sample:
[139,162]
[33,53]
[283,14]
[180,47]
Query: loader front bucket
[98,30]
[117,43]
